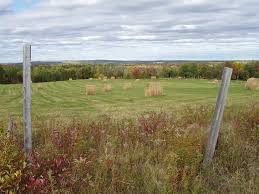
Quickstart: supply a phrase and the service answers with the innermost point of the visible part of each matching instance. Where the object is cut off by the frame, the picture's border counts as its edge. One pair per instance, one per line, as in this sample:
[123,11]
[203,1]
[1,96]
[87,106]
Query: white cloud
[4,4]
[91,37]
[144,29]
[139,37]
[69,3]
[184,27]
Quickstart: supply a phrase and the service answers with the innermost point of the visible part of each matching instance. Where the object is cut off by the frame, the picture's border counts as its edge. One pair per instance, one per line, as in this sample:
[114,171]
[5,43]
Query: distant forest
[12,74]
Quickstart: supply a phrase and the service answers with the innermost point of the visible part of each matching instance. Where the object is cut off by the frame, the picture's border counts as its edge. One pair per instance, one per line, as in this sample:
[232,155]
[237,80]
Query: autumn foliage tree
[136,72]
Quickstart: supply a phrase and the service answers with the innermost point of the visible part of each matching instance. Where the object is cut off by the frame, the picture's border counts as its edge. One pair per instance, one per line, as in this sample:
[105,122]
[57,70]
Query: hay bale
[90,78]
[154,89]
[215,81]
[137,80]
[252,84]
[40,86]
[112,77]
[90,90]
[107,87]
[70,79]
[153,77]
[127,86]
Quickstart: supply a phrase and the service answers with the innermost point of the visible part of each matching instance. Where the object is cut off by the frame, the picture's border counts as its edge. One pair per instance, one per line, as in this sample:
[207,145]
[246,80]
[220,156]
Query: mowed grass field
[69,97]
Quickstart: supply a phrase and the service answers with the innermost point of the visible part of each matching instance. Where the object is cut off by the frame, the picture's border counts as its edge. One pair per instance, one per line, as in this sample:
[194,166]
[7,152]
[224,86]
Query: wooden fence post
[27,99]
[218,115]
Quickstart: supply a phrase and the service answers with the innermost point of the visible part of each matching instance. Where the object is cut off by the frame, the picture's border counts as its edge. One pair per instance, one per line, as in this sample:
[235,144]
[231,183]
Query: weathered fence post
[27,99]
[218,115]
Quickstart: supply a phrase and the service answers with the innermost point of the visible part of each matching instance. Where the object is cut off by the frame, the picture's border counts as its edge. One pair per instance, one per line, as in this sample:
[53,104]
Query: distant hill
[127,62]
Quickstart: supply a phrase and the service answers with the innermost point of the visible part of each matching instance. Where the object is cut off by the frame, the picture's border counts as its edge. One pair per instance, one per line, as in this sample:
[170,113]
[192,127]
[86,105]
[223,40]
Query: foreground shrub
[90,89]
[234,168]
[157,152]
[154,89]
[12,164]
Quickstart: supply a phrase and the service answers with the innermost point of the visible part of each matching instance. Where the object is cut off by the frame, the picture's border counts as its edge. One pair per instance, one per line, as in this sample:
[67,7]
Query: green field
[69,99]
[111,143]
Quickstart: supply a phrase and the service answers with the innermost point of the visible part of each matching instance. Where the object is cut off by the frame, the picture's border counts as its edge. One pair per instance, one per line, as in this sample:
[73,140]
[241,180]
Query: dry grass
[154,89]
[90,89]
[113,78]
[127,86]
[137,80]
[107,87]
[90,78]
[154,152]
[153,77]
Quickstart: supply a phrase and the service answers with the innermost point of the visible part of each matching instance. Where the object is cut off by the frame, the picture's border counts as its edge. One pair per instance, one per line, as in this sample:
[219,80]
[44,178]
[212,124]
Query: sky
[130,29]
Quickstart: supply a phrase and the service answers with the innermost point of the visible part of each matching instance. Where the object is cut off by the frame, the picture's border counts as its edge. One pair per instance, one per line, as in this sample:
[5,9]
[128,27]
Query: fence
[213,136]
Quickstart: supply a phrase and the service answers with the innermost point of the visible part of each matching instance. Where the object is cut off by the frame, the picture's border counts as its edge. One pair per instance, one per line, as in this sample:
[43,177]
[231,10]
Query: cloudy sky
[130,29]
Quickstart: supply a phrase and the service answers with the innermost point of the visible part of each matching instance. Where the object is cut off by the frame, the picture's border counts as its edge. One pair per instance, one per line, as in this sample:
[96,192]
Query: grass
[157,150]
[69,99]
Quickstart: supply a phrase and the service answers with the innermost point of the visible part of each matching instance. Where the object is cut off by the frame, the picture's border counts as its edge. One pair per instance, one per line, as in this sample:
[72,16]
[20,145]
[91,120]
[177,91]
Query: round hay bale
[153,89]
[107,88]
[252,84]
[40,86]
[90,90]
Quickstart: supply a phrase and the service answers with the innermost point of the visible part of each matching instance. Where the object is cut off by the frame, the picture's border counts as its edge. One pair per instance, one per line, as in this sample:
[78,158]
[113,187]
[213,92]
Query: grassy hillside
[69,97]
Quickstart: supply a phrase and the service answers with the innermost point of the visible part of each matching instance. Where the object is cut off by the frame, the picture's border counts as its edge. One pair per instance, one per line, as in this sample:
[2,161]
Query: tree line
[12,74]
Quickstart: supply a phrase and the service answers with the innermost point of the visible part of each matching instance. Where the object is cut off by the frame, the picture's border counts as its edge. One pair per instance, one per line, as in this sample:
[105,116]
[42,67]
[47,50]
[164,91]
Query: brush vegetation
[156,152]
